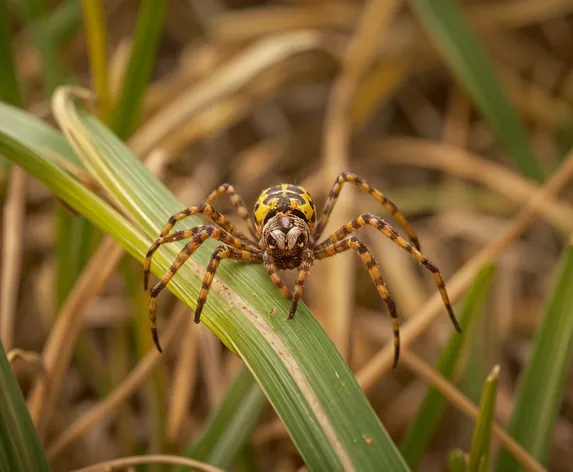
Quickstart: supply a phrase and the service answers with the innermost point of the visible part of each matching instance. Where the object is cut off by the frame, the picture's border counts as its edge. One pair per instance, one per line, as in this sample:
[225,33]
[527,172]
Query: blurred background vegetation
[459,111]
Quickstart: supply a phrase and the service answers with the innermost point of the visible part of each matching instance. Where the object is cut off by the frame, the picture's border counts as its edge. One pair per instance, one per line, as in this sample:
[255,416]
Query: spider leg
[198,236]
[389,232]
[305,266]
[218,233]
[375,275]
[237,202]
[204,209]
[376,194]
[272,270]
[222,252]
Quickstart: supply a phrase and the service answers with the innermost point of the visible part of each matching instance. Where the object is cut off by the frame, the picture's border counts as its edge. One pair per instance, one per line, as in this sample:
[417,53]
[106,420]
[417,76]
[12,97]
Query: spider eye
[271,242]
[301,241]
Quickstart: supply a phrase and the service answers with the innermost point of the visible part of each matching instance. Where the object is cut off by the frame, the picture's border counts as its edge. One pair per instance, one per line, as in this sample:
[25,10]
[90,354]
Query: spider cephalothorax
[285,237]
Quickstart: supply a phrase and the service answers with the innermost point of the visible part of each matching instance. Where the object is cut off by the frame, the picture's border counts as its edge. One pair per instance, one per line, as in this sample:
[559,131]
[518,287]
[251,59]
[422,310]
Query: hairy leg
[368,219]
[237,202]
[222,252]
[375,275]
[376,194]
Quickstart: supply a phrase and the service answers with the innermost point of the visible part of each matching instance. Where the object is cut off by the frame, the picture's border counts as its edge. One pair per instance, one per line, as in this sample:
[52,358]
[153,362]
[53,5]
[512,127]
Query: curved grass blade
[20,447]
[230,425]
[306,380]
[542,384]
[447,25]
[422,428]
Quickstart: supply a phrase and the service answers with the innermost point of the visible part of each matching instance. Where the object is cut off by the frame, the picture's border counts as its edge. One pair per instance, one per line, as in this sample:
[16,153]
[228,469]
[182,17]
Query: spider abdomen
[287,199]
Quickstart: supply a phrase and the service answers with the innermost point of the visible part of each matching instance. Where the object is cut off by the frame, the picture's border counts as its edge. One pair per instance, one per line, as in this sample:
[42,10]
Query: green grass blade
[9,87]
[421,430]
[34,14]
[302,374]
[542,384]
[481,440]
[230,425]
[95,26]
[448,27]
[64,21]
[147,33]
[457,461]
[20,447]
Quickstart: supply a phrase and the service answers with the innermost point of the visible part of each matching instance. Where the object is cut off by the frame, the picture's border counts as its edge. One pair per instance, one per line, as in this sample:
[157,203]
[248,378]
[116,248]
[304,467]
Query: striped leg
[198,236]
[300,280]
[378,196]
[203,209]
[222,252]
[389,232]
[272,270]
[237,202]
[375,275]
[215,232]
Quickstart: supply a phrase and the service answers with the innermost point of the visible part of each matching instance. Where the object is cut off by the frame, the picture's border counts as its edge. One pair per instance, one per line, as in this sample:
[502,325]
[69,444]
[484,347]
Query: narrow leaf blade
[448,27]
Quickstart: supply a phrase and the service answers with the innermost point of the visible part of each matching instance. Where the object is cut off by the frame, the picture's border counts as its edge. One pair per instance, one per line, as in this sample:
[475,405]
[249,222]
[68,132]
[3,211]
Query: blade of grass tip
[422,428]
[447,25]
[457,461]
[19,443]
[307,381]
[147,34]
[64,21]
[96,33]
[230,426]
[481,440]
[542,384]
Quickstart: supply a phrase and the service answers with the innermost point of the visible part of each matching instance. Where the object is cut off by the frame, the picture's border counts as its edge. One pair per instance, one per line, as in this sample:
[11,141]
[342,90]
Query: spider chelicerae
[286,237]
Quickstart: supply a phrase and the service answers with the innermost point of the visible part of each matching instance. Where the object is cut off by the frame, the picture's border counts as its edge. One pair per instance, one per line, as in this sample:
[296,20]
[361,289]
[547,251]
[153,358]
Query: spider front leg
[375,193]
[204,209]
[186,234]
[222,252]
[389,232]
[305,266]
[199,235]
[272,270]
[375,275]
[237,202]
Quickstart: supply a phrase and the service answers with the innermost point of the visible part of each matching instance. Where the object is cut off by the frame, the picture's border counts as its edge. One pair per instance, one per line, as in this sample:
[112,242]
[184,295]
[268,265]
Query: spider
[286,237]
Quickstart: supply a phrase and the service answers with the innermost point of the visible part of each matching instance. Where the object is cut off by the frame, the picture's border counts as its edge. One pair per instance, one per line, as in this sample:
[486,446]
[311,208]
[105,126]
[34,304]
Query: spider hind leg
[375,275]
[368,219]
